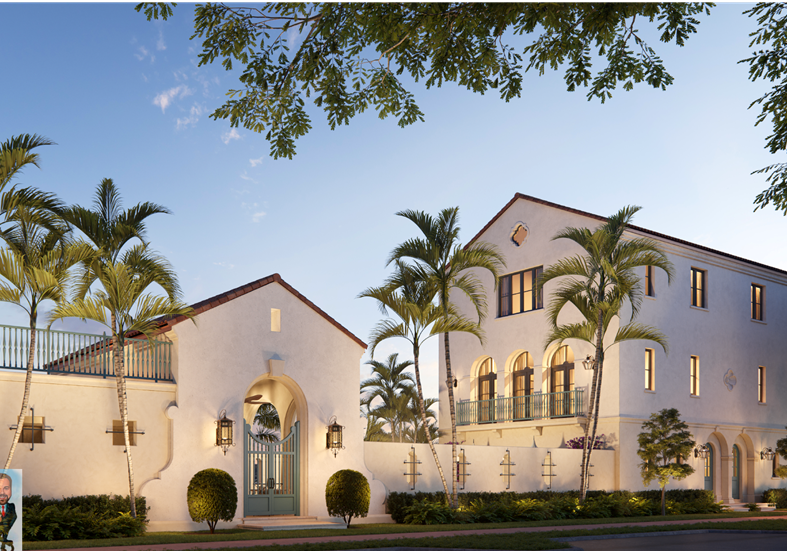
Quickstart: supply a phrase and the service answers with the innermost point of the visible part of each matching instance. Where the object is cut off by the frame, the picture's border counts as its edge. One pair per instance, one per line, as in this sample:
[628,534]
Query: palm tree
[599,283]
[375,431]
[388,381]
[410,299]
[443,263]
[35,267]
[416,432]
[270,425]
[124,277]
[16,153]
[123,306]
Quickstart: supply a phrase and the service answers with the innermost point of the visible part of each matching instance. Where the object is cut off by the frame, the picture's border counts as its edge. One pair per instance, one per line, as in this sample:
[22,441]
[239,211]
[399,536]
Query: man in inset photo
[7,512]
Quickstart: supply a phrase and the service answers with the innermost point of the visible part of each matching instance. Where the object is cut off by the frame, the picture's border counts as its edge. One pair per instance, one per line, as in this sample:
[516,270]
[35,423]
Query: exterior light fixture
[702,451]
[333,440]
[767,453]
[224,431]
[589,363]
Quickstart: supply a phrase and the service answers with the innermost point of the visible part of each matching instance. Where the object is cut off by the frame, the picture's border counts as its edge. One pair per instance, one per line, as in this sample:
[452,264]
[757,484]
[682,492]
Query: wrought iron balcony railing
[68,353]
[523,408]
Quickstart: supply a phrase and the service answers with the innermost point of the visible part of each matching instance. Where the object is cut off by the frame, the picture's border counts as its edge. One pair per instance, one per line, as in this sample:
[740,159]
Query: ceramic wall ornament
[519,234]
[730,380]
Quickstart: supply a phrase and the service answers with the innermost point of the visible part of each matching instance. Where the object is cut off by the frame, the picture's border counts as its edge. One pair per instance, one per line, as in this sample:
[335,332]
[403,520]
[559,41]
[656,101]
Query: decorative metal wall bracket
[33,429]
[548,467]
[506,463]
[412,471]
[461,468]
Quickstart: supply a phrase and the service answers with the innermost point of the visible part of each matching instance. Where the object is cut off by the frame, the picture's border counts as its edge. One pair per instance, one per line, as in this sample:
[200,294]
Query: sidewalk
[290,541]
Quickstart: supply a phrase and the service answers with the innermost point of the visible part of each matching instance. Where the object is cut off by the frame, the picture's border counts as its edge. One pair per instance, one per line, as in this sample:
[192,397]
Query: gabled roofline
[630,226]
[165,324]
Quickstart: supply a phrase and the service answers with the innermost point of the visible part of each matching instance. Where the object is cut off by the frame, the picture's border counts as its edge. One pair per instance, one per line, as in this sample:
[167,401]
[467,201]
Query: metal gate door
[271,475]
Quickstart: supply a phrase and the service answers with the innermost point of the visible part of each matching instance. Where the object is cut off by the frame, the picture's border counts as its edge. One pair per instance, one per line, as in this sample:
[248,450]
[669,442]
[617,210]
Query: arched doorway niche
[722,456]
[747,460]
[290,402]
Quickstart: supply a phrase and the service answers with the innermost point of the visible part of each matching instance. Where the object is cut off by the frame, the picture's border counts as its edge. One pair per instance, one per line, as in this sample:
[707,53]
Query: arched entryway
[274,470]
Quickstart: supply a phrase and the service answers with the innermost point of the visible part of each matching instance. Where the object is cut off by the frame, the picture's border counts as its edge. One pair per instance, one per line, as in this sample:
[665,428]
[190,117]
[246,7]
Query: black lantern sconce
[224,431]
[702,451]
[767,453]
[333,440]
[589,363]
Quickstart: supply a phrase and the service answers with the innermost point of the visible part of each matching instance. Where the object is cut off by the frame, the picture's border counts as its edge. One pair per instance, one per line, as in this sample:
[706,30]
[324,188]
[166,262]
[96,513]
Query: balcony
[68,353]
[554,405]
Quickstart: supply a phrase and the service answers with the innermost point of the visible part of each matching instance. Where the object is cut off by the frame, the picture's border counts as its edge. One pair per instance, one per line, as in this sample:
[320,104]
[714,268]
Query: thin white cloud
[145,78]
[194,115]
[160,45]
[245,176]
[164,99]
[227,137]
[143,52]
[180,75]
[257,216]
[224,265]
[255,162]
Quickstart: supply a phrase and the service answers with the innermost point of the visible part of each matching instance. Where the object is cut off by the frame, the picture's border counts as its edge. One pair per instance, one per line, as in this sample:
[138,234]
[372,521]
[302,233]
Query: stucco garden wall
[78,457]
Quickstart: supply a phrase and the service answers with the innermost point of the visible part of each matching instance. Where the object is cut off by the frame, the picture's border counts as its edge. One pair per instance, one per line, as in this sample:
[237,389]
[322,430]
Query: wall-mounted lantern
[589,363]
[224,431]
[333,440]
[702,451]
[767,453]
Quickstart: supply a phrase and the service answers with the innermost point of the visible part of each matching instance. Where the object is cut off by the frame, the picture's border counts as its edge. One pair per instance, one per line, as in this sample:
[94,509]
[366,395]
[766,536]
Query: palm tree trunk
[595,388]
[449,382]
[26,397]
[120,377]
[423,419]
[590,439]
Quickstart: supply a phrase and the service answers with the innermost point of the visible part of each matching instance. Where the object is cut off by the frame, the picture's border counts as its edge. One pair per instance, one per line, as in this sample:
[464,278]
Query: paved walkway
[409,535]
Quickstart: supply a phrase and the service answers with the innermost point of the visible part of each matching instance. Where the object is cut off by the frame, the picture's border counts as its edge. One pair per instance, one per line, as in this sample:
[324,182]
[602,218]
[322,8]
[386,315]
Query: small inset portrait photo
[11,510]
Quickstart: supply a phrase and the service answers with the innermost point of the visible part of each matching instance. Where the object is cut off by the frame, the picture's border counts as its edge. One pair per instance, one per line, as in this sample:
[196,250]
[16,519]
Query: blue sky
[124,99]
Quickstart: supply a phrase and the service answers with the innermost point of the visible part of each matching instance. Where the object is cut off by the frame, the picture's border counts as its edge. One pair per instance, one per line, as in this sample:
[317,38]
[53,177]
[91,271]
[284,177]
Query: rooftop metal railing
[69,353]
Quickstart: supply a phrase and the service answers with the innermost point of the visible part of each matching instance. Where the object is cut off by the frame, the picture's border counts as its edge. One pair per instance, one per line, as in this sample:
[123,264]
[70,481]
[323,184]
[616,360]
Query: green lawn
[535,541]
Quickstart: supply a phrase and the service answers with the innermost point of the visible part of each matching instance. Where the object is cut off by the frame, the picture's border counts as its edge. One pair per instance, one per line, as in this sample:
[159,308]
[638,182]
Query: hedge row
[81,517]
[777,496]
[432,508]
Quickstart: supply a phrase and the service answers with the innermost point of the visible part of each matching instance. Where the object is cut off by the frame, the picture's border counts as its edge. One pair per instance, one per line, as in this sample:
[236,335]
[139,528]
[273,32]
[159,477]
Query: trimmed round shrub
[347,495]
[212,496]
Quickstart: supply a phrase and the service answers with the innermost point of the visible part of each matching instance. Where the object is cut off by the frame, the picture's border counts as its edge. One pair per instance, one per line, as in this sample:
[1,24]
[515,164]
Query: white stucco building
[726,321]
[263,342]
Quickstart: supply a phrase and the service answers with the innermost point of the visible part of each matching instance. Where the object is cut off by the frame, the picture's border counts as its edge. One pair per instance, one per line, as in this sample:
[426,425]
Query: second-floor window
[650,378]
[761,384]
[518,292]
[650,281]
[699,288]
[695,376]
[757,302]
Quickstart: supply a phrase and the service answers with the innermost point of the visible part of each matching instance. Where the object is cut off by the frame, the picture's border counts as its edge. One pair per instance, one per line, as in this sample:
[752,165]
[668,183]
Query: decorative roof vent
[519,234]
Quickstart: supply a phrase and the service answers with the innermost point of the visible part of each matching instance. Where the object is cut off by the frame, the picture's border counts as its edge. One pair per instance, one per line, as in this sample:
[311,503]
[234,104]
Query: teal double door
[271,474]
[736,472]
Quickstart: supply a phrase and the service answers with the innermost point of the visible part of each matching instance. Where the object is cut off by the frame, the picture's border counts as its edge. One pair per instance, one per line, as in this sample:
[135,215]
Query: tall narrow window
[650,282]
[523,386]
[761,384]
[486,391]
[695,376]
[650,379]
[518,293]
[757,301]
[698,288]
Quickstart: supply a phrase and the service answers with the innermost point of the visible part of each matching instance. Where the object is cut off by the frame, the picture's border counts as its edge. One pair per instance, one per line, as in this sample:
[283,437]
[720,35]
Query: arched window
[562,370]
[486,390]
[561,382]
[523,386]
